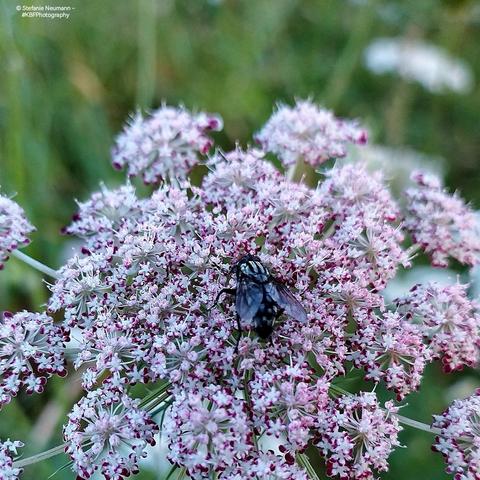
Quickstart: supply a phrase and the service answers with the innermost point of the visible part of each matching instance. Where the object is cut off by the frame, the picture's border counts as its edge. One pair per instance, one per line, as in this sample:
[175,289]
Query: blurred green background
[67,86]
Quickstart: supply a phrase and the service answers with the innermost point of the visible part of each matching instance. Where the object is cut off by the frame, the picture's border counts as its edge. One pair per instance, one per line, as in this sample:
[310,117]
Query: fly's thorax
[253,269]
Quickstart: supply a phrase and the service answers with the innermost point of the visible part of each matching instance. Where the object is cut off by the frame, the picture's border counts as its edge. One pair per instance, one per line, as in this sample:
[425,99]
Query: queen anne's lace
[357,436]
[107,431]
[14,228]
[448,320]
[309,133]
[441,223]
[31,350]
[208,431]
[165,145]
[391,349]
[459,438]
[142,298]
[7,450]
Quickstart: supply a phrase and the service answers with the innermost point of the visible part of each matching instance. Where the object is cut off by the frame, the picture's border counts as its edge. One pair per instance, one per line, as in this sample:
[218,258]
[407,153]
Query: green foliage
[67,86]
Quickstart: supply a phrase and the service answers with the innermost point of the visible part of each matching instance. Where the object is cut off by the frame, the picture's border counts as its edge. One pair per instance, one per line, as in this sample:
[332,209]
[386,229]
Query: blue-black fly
[260,299]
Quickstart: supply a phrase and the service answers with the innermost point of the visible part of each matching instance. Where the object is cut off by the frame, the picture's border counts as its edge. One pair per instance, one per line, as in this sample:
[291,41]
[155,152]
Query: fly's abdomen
[265,317]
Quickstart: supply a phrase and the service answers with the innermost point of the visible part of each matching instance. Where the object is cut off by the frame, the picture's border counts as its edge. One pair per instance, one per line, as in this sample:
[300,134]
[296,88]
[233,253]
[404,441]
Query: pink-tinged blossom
[14,228]
[449,321]
[142,296]
[87,286]
[365,236]
[245,175]
[391,349]
[108,432]
[208,431]
[31,350]
[111,348]
[349,188]
[308,132]
[440,223]
[357,436]
[459,437]
[103,214]
[164,145]
[267,466]
[8,449]
[285,402]
[178,358]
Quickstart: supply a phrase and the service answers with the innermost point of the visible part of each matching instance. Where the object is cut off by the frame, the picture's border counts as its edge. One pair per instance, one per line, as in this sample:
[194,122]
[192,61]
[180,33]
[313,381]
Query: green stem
[151,400]
[417,425]
[290,174]
[71,353]
[348,60]
[40,456]
[35,264]
[246,394]
[304,462]
[146,53]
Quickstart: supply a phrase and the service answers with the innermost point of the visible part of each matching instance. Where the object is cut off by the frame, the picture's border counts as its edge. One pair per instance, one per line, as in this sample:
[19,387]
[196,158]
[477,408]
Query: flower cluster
[448,320]
[413,60]
[31,350]
[7,470]
[142,293]
[391,349]
[357,436]
[266,466]
[440,223]
[104,213]
[165,145]
[148,298]
[459,437]
[309,133]
[208,431]
[107,431]
[14,228]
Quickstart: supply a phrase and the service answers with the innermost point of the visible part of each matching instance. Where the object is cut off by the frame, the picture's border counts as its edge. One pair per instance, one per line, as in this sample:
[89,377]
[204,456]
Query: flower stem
[298,172]
[417,425]
[290,174]
[149,402]
[35,264]
[40,456]
[304,462]
[344,69]
[71,353]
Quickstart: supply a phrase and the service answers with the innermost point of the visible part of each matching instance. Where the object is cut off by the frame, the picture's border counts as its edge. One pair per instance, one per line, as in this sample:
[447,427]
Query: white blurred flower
[421,62]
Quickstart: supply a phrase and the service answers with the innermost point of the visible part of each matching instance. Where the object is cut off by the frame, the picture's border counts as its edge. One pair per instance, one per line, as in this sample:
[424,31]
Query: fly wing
[284,298]
[248,298]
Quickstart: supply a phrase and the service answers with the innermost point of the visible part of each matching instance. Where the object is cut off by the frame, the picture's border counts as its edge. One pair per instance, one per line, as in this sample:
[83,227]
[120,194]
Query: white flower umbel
[420,62]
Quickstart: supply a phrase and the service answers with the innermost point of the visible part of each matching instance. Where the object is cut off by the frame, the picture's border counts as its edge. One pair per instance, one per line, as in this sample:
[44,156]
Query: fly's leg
[239,327]
[228,291]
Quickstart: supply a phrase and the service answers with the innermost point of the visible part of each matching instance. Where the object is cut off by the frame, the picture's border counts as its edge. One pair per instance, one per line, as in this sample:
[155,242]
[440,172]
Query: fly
[260,298]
